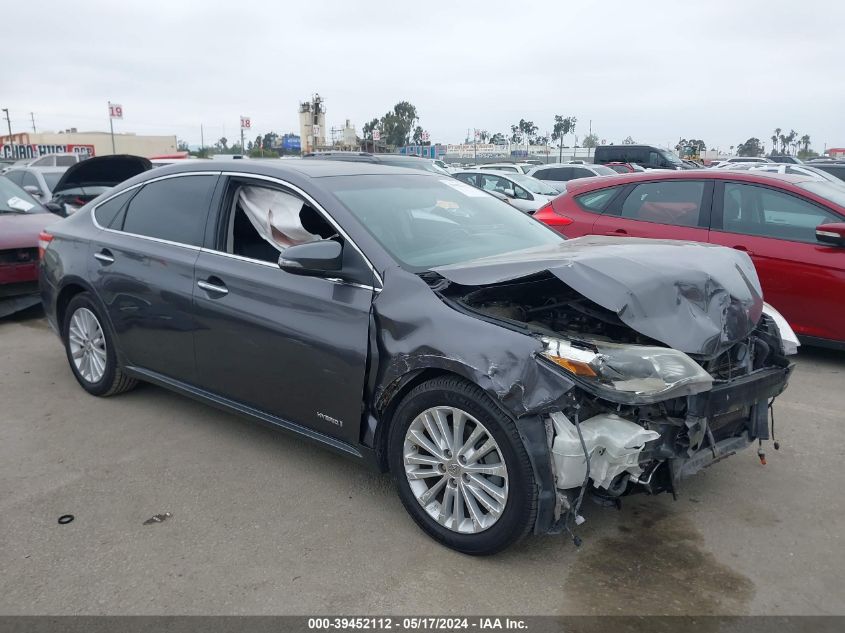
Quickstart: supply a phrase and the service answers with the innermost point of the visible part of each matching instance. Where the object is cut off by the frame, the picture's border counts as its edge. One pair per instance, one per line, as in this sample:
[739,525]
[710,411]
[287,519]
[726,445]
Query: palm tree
[790,138]
[805,141]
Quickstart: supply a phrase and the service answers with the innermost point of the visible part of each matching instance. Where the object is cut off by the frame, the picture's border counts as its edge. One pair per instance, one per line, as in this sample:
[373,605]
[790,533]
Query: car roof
[762,177]
[41,170]
[301,167]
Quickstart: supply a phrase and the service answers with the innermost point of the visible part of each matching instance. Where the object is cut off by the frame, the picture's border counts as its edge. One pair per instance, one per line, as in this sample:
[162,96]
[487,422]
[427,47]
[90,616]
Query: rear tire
[90,350]
[476,494]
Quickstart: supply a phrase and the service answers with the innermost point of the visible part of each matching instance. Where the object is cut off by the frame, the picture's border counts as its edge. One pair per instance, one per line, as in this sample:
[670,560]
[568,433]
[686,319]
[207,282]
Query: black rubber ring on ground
[65,519]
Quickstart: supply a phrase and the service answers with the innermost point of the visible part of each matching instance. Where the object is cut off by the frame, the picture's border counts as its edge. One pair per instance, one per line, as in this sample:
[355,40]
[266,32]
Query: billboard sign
[20,152]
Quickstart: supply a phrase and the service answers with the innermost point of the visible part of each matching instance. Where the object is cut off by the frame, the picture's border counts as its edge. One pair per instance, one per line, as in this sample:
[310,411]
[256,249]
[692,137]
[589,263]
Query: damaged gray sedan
[415,323]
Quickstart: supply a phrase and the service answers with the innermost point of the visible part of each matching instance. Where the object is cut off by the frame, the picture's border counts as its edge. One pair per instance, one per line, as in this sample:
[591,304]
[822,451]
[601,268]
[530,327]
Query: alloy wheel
[455,469]
[87,345]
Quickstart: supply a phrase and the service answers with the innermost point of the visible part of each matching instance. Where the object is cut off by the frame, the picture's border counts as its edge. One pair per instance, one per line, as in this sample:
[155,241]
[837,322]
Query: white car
[515,168]
[733,160]
[558,174]
[522,192]
[788,168]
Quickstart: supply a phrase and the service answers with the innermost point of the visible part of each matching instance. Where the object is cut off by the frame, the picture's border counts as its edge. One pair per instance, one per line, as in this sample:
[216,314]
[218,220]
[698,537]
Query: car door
[142,268]
[665,209]
[288,345]
[801,277]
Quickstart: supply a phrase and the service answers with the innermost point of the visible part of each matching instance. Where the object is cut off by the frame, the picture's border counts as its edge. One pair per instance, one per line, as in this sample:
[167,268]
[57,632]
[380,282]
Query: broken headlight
[629,373]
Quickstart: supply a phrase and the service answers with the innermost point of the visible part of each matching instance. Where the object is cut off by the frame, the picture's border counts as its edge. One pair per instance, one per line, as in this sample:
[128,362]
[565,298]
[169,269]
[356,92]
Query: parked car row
[791,225]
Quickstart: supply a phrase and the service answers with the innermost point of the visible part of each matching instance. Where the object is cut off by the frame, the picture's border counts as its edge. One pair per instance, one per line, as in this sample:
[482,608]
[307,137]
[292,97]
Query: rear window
[52,178]
[65,161]
[601,170]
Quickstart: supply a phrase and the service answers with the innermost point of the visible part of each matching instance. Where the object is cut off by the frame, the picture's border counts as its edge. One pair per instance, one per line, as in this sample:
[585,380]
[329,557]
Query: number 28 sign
[115,111]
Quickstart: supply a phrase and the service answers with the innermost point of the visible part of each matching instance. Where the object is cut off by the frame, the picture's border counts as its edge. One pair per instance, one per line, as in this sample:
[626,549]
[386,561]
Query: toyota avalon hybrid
[501,373]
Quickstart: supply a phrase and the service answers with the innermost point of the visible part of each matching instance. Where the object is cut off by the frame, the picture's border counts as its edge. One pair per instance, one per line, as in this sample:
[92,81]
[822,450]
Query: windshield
[533,185]
[424,222]
[827,190]
[601,170]
[671,158]
[13,199]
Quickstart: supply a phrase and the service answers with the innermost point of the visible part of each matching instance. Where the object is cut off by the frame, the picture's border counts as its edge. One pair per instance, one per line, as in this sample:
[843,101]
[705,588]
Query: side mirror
[312,258]
[32,190]
[831,233]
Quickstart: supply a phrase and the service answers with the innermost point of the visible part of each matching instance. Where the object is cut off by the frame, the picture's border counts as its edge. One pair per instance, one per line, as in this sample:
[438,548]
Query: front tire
[462,470]
[90,350]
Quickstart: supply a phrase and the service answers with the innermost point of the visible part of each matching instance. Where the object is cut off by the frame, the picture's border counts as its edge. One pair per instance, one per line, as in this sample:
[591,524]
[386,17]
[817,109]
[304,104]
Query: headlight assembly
[629,373]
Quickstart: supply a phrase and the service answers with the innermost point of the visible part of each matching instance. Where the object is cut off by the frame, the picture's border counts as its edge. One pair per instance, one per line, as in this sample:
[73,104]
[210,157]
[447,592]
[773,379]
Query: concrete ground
[262,523]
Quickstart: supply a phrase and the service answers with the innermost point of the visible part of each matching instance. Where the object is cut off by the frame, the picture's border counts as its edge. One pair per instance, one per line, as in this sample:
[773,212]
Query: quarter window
[764,212]
[667,202]
[597,200]
[106,213]
[174,209]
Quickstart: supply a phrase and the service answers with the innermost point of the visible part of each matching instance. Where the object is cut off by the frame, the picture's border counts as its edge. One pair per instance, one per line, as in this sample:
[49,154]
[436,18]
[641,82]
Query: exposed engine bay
[642,415]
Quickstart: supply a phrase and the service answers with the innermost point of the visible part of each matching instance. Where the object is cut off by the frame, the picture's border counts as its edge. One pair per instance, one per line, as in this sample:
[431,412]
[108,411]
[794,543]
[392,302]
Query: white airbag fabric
[275,215]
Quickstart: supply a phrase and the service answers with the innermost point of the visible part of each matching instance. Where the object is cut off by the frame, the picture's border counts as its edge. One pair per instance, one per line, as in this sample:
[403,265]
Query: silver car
[558,174]
[36,181]
[522,192]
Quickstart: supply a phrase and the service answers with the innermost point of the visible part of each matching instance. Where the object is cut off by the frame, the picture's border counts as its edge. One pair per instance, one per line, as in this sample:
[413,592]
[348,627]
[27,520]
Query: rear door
[802,278]
[142,267]
[664,209]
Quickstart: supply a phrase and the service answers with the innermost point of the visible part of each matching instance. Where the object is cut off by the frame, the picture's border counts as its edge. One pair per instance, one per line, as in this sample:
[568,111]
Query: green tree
[270,139]
[751,147]
[418,135]
[484,136]
[805,142]
[498,139]
[223,143]
[775,138]
[590,141]
[182,146]
[562,127]
[396,126]
[516,135]
[368,128]
[528,130]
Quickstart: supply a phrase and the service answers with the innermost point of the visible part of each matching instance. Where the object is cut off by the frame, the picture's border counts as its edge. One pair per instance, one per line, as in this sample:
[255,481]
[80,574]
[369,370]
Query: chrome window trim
[141,184]
[318,207]
[272,179]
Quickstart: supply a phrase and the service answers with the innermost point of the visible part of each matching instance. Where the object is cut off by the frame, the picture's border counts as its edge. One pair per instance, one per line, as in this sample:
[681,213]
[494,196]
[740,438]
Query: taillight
[44,239]
[547,215]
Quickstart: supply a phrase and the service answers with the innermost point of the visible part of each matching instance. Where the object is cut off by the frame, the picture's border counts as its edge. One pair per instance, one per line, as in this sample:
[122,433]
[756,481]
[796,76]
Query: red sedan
[793,227]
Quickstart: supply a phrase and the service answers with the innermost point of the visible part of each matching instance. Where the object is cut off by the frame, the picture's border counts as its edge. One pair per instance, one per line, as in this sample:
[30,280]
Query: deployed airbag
[275,215]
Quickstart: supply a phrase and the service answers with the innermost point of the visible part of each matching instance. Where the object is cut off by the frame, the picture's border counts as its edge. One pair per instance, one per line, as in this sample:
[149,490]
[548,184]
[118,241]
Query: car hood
[20,230]
[102,171]
[697,298]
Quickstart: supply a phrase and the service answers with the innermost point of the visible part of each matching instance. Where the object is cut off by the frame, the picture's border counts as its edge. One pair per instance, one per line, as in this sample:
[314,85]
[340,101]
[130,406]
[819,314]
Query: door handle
[104,256]
[744,249]
[214,286]
[616,232]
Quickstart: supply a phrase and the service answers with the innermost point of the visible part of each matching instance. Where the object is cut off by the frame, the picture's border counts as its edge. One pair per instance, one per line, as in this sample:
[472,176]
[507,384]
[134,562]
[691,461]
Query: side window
[541,174]
[174,209]
[596,201]
[520,193]
[468,178]
[44,161]
[764,212]
[65,161]
[667,202]
[106,213]
[264,221]
[490,182]
[15,176]
[29,180]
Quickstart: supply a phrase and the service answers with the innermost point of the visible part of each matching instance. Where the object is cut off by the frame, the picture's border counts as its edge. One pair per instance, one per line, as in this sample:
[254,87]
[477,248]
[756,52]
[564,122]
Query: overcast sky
[721,71]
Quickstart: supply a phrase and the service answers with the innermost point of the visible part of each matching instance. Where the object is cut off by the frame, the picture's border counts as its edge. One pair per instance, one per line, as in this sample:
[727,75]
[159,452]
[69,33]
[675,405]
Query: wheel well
[387,411]
[67,293]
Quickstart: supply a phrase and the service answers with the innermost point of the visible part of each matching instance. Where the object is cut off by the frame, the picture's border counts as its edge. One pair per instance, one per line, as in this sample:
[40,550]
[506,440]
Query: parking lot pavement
[267,524]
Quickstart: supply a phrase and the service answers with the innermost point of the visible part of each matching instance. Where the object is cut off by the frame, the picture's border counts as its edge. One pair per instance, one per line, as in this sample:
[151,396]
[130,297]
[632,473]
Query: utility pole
[11,140]
[591,137]
[32,116]
[242,140]
[202,138]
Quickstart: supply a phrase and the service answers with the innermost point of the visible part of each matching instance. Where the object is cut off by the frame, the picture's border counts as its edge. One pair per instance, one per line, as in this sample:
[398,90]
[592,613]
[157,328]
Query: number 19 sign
[115,111]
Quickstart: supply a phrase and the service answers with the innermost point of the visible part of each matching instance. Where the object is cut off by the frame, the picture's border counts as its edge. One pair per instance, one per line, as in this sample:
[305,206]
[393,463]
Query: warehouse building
[32,145]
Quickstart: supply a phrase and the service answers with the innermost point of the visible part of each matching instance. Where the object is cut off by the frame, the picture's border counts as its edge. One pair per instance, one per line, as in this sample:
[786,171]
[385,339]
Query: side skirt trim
[233,406]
